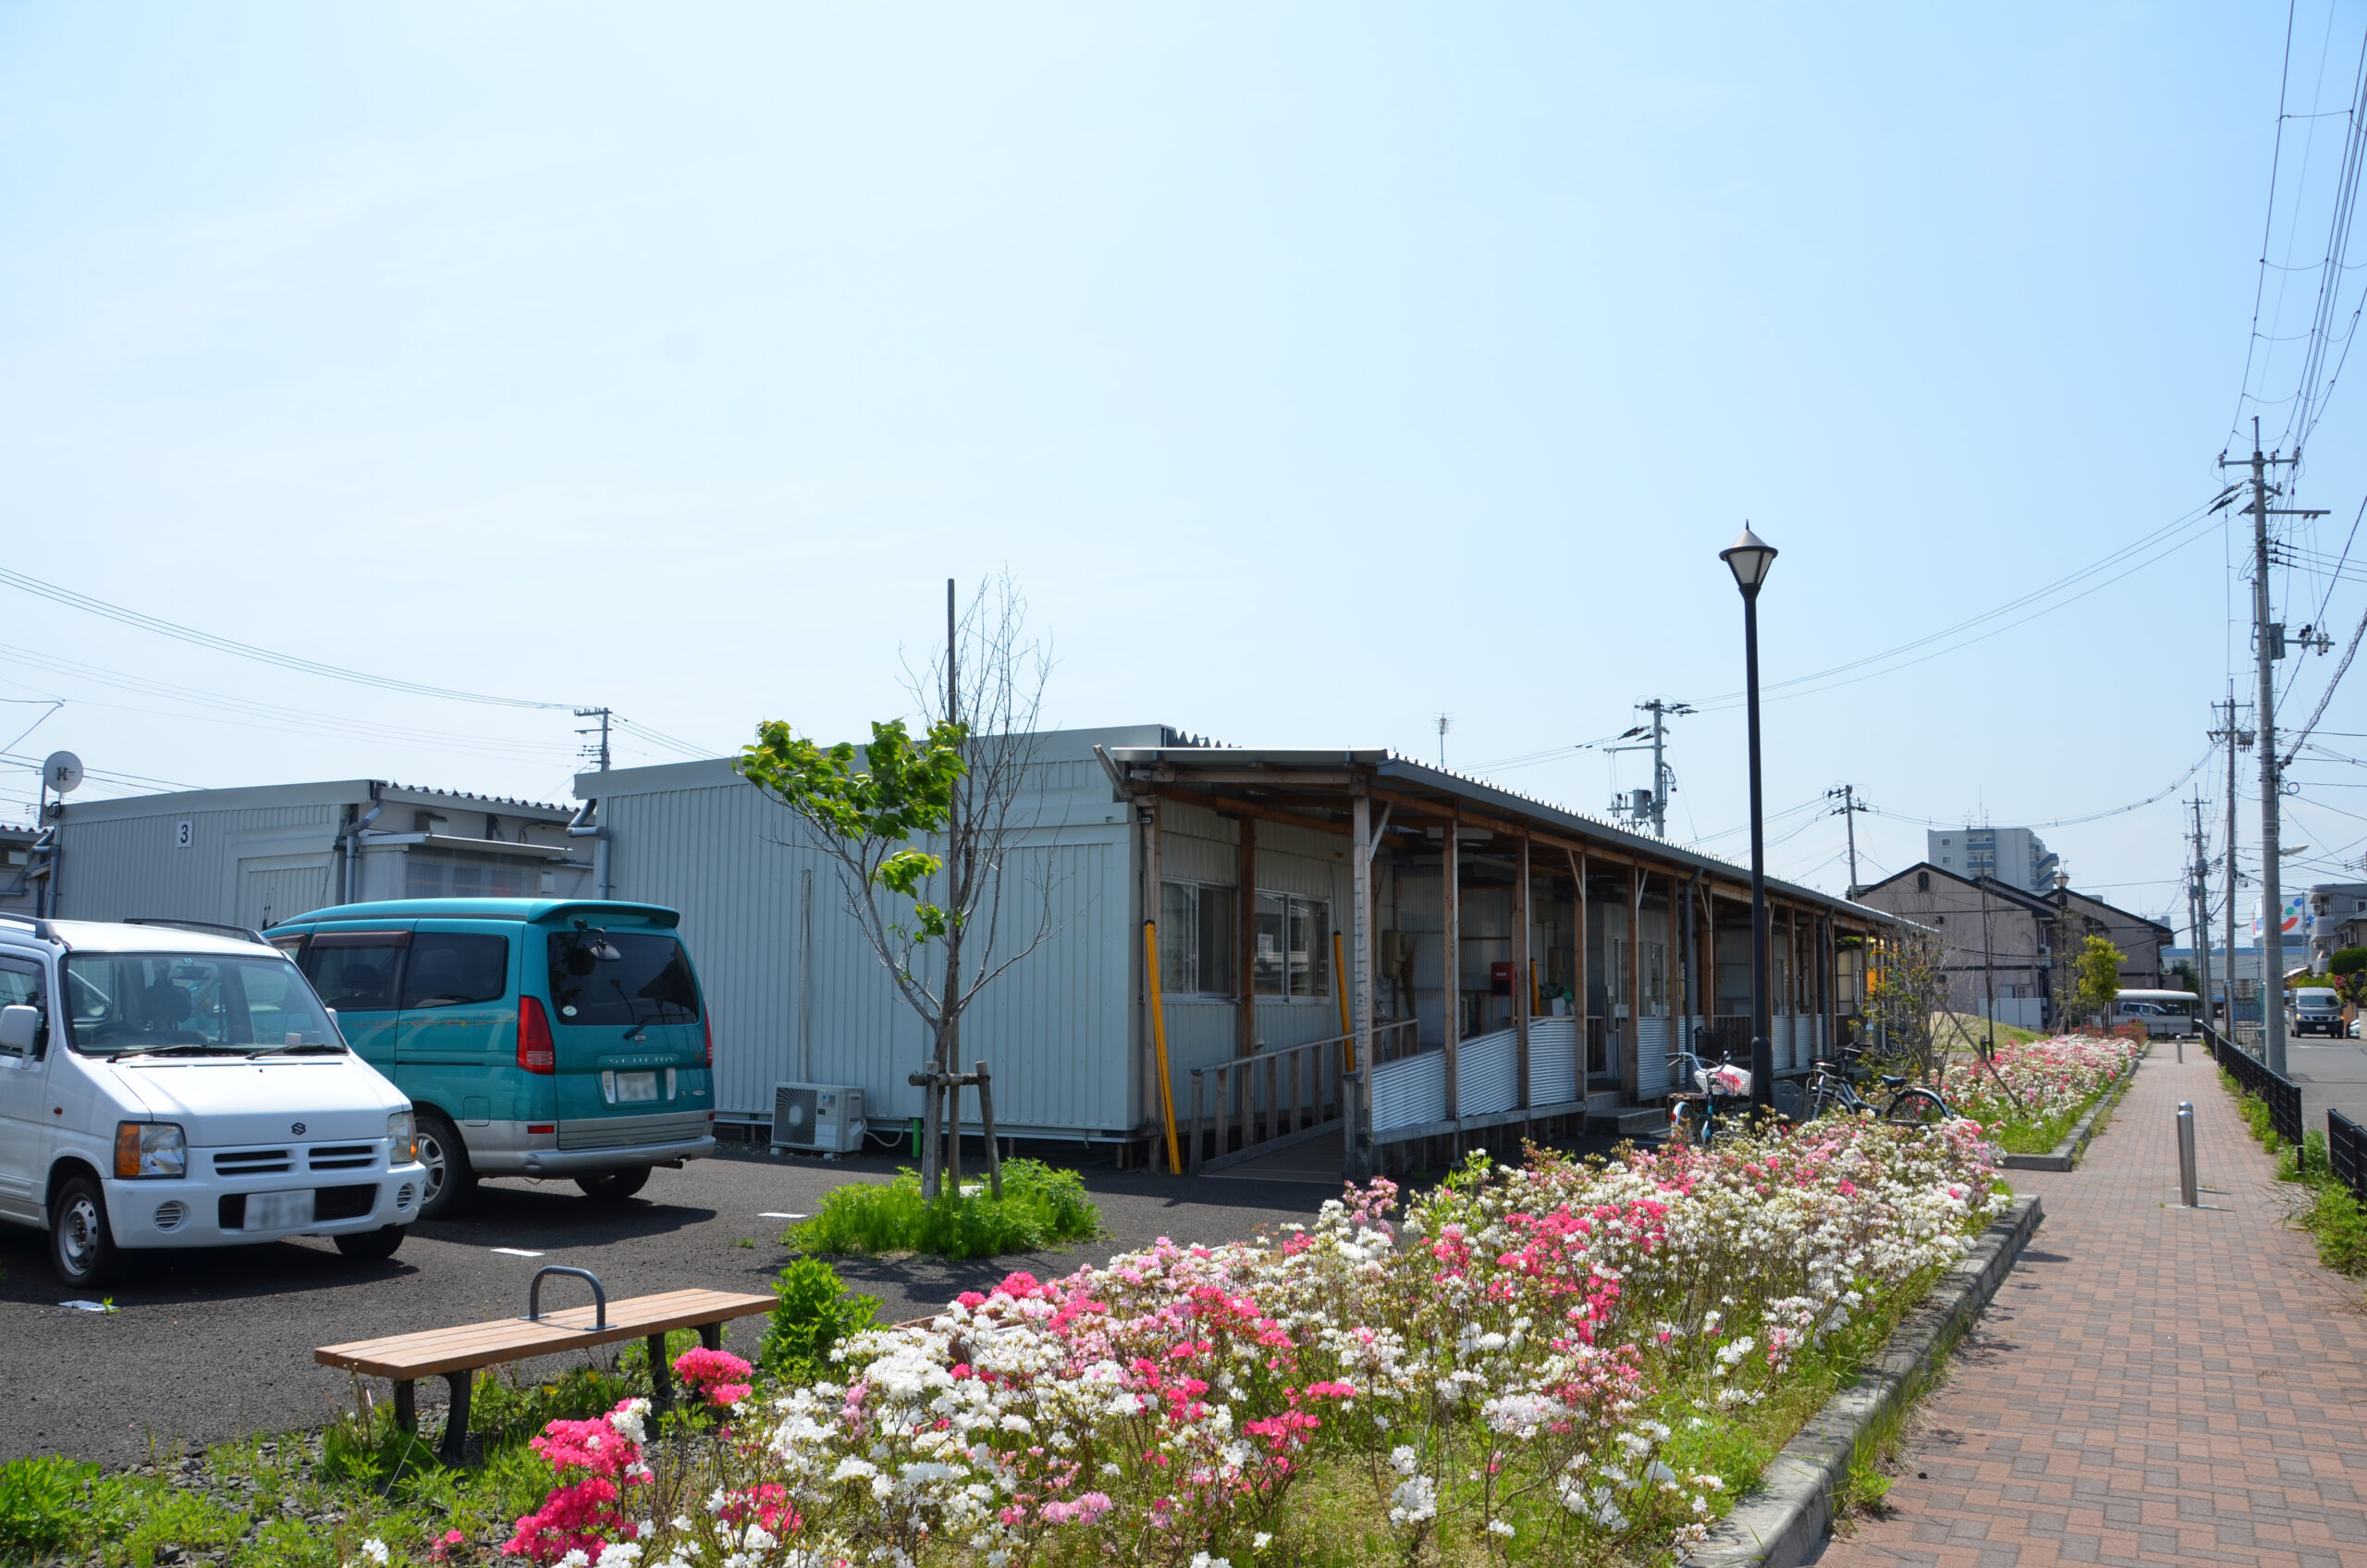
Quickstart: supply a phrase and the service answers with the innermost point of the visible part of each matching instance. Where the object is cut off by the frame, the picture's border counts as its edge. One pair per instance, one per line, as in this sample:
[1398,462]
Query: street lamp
[1749,557]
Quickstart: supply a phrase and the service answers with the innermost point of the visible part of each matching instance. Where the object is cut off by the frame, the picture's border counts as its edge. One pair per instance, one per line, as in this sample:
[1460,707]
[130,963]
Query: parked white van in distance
[168,1085]
[2165,1014]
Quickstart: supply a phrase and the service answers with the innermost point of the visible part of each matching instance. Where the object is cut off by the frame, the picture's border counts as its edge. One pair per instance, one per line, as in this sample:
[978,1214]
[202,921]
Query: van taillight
[535,1052]
[706,1031]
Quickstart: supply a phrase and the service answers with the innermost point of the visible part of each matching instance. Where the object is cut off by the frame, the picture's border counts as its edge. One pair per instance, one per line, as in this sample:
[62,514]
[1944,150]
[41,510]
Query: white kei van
[168,1085]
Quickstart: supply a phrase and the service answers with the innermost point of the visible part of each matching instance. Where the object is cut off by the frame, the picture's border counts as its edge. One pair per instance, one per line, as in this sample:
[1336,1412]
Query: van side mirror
[19,1026]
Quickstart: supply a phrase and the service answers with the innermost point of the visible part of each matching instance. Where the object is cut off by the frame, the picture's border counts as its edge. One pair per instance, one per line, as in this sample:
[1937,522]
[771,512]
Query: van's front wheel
[82,1249]
[614,1186]
[450,1177]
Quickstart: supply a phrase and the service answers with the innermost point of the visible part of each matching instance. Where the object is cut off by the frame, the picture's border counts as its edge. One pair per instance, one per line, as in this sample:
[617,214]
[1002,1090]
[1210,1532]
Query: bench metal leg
[406,1406]
[453,1449]
[711,1335]
[661,1380]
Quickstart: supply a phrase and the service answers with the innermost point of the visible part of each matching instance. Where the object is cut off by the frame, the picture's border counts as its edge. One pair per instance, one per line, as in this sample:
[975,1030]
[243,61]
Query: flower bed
[1551,1363]
[2054,1083]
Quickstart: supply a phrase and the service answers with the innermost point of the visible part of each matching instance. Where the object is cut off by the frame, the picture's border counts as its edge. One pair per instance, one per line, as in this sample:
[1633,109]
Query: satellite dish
[62,772]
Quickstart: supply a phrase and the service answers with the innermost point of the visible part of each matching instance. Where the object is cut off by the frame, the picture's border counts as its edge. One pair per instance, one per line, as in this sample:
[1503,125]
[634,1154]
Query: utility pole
[1663,777]
[596,751]
[1847,811]
[2234,740]
[2268,638]
[2199,900]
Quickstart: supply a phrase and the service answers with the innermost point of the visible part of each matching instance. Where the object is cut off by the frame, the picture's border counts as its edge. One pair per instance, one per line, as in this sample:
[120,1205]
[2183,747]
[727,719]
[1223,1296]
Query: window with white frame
[1292,956]
[1195,939]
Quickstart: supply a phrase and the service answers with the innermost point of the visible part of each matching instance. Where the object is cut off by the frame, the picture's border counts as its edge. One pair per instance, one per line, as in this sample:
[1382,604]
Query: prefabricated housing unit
[1252,863]
[257,856]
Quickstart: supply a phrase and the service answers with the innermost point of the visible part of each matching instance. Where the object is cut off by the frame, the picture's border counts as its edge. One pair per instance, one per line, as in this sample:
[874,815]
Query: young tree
[1906,995]
[2098,971]
[921,828]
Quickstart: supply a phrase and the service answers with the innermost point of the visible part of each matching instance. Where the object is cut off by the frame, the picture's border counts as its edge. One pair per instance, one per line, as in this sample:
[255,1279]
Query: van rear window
[621,978]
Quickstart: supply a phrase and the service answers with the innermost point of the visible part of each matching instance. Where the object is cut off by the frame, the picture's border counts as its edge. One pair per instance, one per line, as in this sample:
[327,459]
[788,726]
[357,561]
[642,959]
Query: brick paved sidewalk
[2153,1384]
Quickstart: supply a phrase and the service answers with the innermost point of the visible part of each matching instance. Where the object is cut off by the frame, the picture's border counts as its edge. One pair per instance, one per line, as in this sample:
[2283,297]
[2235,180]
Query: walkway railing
[2347,1153]
[2282,1096]
[1254,1104]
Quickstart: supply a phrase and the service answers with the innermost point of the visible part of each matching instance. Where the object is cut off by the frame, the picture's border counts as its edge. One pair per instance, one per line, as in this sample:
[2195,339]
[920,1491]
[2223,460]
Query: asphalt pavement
[212,1344]
[2331,1073]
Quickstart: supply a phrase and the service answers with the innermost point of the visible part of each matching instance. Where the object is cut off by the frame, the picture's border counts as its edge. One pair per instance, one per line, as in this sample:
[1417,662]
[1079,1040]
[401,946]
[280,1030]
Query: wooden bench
[459,1355]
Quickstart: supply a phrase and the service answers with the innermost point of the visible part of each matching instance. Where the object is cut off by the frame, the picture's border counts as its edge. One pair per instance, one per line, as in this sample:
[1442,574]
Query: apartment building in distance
[2015,856]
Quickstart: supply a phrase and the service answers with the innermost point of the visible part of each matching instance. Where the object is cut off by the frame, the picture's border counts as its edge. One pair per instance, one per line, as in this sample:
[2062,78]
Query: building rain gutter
[349,841]
[583,827]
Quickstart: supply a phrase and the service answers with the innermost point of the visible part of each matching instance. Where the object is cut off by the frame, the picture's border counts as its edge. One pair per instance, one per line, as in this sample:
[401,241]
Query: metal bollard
[2188,1197]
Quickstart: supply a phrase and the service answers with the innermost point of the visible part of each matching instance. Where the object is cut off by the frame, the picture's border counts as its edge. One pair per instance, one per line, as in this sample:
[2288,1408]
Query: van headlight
[402,1138]
[150,1148]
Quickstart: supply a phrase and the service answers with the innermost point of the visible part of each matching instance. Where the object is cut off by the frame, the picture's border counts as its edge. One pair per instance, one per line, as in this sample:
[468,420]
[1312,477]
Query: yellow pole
[1340,987]
[1159,1040]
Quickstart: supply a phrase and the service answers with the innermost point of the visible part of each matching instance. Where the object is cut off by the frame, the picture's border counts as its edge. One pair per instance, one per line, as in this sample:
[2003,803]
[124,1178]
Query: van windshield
[189,1004]
[621,978]
[2316,999]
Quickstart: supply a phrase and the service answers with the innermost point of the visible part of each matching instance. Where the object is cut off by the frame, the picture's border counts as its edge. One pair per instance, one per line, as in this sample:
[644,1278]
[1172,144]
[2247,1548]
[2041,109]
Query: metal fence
[2282,1096]
[2347,1153]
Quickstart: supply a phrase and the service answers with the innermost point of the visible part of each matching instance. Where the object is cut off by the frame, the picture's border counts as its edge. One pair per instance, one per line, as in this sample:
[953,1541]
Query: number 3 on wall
[184,835]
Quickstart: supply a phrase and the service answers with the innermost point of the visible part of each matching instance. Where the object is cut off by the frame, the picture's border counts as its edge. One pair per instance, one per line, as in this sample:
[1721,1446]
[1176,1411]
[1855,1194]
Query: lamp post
[1749,557]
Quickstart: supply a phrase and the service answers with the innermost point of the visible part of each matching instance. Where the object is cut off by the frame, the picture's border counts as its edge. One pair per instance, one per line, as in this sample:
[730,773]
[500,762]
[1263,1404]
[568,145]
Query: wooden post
[1450,962]
[1244,936]
[1579,983]
[953,1085]
[1832,991]
[986,1121]
[1520,973]
[1631,1068]
[1154,1094]
[1359,981]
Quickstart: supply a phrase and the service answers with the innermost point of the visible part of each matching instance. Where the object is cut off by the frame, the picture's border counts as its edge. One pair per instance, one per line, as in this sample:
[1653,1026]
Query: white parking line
[516,1252]
[780,1217]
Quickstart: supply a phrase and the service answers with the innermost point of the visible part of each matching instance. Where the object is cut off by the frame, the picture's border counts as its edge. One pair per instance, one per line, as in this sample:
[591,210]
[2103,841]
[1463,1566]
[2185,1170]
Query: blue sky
[1315,369]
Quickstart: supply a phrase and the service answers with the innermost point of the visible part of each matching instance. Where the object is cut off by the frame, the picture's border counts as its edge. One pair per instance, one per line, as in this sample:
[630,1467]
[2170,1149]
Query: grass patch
[2332,1214]
[1040,1206]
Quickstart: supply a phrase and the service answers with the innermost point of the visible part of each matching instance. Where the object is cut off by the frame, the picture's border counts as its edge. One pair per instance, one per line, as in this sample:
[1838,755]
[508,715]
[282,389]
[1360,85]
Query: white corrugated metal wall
[795,1004]
[233,862]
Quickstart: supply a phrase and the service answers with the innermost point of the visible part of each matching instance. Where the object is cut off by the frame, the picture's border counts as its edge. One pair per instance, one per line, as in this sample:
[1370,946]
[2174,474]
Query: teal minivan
[539,1037]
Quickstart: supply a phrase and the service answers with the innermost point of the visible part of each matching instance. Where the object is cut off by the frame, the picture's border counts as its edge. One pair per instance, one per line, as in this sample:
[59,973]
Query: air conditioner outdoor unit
[817,1118]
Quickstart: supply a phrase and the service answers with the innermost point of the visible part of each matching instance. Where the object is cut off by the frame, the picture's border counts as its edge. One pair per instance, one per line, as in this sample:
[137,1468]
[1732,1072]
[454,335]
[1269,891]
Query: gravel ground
[213,1344]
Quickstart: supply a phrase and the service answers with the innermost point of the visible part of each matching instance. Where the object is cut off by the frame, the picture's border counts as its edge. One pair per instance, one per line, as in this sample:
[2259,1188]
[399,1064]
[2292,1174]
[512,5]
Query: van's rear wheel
[450,1177]
[371,1246]
[82,1249]
[614,1186]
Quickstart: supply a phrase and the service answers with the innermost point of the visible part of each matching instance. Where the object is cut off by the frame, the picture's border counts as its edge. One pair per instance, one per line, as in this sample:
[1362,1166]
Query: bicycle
[1834,1087]
[1694,1113]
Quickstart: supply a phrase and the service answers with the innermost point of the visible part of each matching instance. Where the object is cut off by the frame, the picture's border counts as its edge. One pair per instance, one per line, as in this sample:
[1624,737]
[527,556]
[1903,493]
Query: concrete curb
[1785,1520]
[2075,1142]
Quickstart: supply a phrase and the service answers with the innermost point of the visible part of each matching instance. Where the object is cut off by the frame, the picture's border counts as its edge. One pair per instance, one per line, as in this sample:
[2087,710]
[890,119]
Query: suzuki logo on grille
[296,1127]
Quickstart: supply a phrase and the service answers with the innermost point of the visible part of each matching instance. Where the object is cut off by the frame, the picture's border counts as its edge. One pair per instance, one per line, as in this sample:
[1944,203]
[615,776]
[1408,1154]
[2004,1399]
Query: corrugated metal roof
[1391,764]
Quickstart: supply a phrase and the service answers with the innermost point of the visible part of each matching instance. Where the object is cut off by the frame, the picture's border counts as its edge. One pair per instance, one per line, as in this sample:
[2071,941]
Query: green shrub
[815,1312]
[50,1503]
[504,1409]
[1040,1206]
[2340,1224]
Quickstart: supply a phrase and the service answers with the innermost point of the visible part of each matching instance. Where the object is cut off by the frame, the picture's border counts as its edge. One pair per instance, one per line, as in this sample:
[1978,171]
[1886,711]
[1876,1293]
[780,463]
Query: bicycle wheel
[1824,1097]
[1917,1107]
[1690,1122]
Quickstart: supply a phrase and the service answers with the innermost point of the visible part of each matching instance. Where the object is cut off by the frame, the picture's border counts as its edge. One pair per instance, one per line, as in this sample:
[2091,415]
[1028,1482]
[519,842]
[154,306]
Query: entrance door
[24,1078]
[276,887]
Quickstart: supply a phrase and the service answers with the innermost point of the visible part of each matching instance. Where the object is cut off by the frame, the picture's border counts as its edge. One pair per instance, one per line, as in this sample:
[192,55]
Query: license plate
[279,1211]
[635,1088]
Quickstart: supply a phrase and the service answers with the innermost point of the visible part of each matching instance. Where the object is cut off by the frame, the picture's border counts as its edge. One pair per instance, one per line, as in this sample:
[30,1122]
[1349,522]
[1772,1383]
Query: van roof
[107,936]
[485,909]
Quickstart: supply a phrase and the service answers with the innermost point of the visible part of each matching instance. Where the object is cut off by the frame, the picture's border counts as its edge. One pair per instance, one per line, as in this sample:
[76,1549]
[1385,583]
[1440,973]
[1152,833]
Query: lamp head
[1749,557]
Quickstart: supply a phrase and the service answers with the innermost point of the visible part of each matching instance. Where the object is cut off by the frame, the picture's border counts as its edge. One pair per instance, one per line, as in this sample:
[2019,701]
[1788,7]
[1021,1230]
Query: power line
[115,612]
